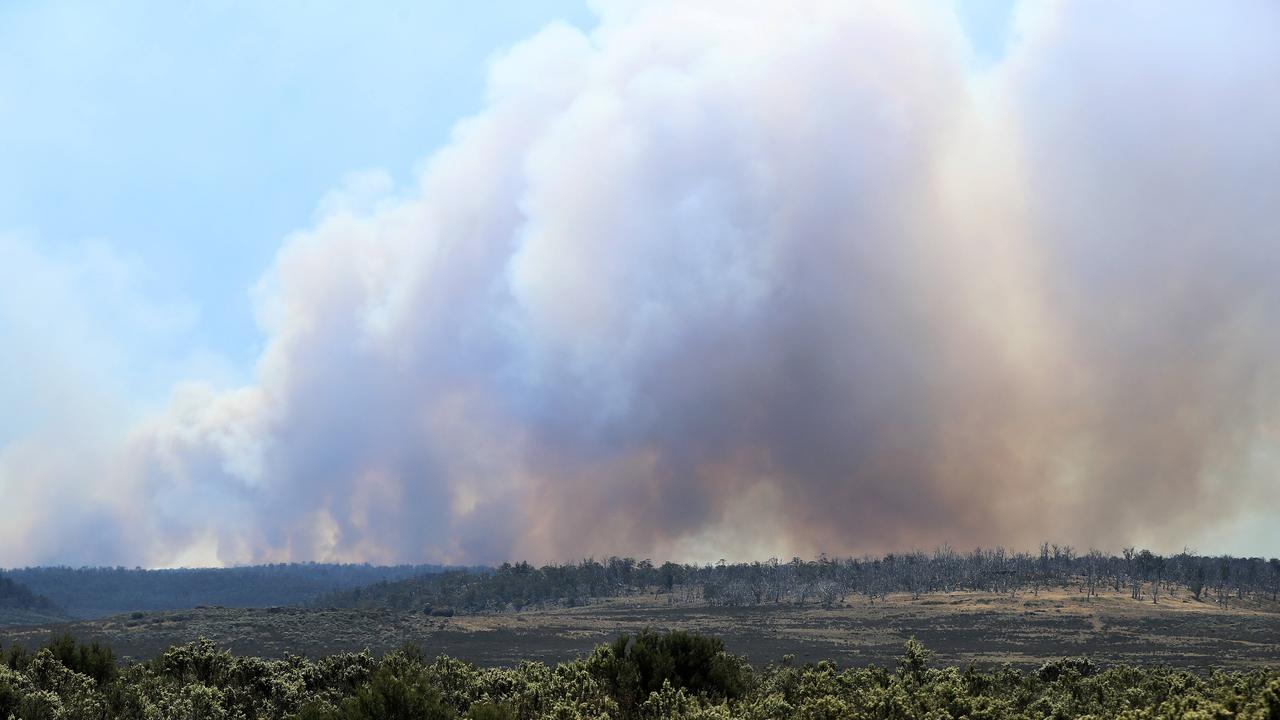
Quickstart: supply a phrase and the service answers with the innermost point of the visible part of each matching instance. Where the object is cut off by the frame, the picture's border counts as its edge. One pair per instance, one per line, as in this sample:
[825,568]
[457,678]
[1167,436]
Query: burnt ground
[961,628]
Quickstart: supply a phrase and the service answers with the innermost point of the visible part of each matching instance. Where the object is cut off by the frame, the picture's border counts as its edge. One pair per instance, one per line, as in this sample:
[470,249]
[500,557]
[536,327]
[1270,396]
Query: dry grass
[23,616]
[961,628]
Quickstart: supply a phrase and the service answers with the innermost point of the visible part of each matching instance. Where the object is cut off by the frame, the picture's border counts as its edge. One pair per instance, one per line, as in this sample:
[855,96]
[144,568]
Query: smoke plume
[735,279]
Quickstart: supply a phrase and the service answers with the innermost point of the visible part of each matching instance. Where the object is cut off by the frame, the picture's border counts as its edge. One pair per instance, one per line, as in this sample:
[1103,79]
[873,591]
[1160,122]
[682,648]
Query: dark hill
[99,592]
[20,606]
[16,596]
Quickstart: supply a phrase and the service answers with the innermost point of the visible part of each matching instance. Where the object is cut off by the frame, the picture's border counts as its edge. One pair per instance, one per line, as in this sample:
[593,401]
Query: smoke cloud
[734,279]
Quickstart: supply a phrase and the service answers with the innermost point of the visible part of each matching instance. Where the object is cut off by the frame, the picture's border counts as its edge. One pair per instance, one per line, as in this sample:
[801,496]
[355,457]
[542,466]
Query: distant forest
[1140,574]
[20,606]
[98,592]
[14,595]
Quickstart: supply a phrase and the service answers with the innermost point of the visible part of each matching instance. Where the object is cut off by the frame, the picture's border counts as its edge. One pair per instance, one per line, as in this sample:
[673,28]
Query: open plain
[981,628]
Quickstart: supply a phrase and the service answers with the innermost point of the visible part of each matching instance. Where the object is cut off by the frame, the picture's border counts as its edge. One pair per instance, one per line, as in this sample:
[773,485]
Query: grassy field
[25,616]
[962,627]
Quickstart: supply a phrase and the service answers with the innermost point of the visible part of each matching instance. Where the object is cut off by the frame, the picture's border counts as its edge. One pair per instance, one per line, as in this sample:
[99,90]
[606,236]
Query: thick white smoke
[744,278]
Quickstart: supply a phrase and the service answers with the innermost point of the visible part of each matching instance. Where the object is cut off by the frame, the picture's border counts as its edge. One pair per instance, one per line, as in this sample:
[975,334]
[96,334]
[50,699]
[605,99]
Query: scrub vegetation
[649,675]
[1145,636]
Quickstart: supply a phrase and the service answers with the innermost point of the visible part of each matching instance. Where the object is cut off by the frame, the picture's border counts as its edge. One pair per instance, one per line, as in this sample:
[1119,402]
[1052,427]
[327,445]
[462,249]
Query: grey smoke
[739,279]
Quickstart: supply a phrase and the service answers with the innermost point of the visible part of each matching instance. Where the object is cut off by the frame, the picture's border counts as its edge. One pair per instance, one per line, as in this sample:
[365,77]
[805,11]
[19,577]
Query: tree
[914,662]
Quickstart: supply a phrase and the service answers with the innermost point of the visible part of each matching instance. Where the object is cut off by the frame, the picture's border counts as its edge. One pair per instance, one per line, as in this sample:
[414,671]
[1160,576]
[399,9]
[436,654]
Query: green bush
[649,676]
[391,696]
[491,711]
[635,666]
[9,699]
[92,659]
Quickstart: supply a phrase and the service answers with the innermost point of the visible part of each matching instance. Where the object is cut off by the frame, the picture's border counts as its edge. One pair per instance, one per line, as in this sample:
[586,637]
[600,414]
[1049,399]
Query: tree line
[1141,574]
[648,676]
[90,592]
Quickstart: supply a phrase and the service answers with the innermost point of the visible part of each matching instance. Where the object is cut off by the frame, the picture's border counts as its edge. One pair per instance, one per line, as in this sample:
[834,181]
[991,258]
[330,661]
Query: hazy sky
[426,282]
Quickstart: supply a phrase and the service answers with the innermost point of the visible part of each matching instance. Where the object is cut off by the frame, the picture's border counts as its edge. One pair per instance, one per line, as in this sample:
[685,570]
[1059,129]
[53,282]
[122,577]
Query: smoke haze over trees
[96,592]
[1141,574]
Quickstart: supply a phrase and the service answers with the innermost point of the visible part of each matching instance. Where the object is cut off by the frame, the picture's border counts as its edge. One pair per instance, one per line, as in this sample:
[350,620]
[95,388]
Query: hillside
[99,592]
[20,606]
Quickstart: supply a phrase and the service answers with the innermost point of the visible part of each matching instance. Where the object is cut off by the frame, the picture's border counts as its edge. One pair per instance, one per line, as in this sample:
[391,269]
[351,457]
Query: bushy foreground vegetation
[647,676]
[1141,574]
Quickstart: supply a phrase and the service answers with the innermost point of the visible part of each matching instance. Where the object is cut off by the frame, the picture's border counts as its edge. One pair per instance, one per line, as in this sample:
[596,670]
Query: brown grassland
[981,628]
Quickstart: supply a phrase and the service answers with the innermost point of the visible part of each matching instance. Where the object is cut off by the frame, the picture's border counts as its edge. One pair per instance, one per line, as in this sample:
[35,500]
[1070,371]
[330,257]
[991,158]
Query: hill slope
[99,592]
[20,606]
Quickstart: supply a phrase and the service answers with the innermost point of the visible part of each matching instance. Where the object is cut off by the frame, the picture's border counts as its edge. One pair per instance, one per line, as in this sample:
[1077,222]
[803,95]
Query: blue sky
[192,137]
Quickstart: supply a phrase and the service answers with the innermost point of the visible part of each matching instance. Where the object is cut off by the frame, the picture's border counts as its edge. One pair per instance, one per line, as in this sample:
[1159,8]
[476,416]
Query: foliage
[632,668]
[650,676]
[91,659]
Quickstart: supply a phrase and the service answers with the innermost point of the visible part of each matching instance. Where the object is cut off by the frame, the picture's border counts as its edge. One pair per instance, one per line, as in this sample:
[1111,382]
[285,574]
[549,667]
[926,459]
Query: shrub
[635,666]
[92,659]
[389,696]
[648,676]
[491,711]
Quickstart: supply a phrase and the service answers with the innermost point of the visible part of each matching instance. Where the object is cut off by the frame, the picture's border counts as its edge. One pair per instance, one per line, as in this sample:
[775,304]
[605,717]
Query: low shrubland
[649,675]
